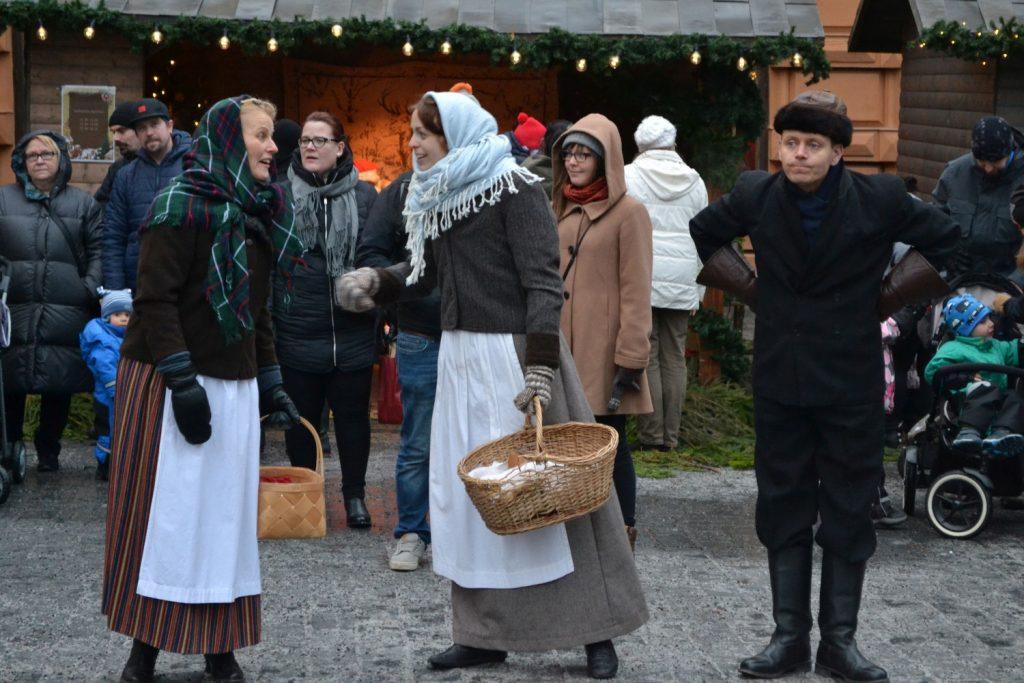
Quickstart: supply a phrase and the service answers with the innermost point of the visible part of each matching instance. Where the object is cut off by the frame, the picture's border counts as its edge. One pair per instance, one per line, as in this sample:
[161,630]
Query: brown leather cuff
[542,349]
[389,289]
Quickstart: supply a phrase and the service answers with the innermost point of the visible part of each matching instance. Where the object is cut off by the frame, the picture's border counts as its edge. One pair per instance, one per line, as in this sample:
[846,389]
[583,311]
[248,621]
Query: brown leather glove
[729,271]
[911,281]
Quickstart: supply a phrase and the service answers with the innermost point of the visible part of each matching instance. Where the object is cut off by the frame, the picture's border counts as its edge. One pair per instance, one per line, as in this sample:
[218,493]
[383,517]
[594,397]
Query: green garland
[537,51]
[726,343]
[983,44]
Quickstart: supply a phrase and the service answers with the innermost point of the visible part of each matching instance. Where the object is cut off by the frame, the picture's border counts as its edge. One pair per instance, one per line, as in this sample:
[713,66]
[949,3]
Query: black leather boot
[790,648]
[838,656]
[357,514]
[141,662]
[602,662]
[223,667]
[459,656]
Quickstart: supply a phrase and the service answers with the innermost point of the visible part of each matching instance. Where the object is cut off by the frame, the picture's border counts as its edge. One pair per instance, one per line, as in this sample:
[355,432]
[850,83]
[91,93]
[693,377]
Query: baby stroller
[12,458]
[960,486]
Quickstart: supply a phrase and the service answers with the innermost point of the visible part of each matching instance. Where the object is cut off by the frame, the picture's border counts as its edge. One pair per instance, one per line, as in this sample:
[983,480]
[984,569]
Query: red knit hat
[530,132]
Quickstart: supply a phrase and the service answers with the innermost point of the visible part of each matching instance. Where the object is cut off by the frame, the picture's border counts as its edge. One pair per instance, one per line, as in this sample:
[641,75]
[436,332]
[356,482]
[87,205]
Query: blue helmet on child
[963,313]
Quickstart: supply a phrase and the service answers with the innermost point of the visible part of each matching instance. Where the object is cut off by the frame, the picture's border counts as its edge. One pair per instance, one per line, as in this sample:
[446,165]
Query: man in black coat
[127,144]
[822,236]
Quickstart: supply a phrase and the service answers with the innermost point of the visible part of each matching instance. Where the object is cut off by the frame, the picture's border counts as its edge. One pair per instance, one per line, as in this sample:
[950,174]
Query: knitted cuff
[542,349]
[389,289]
[175,363]
[269,377]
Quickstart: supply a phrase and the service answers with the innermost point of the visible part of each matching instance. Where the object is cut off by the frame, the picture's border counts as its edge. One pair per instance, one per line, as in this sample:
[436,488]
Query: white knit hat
[655,132]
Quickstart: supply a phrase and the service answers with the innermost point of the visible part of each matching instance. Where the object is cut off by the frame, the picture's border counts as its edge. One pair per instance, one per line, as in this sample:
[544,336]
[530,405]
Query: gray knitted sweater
[497,271]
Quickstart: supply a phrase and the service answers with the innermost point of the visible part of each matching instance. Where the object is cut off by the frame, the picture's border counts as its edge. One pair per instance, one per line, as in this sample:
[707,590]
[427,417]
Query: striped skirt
[171,626]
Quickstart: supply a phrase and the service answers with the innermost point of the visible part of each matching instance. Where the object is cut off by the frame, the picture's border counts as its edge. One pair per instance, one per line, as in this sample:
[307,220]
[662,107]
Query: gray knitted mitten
[538,383]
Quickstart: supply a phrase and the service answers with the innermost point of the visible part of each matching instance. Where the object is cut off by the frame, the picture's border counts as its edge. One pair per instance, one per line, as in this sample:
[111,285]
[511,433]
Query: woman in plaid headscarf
[181,566]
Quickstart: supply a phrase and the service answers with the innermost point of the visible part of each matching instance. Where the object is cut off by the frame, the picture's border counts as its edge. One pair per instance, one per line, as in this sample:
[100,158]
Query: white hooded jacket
[673,194]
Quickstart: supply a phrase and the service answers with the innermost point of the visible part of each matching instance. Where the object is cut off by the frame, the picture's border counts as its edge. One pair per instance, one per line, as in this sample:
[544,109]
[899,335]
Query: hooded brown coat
[606,317]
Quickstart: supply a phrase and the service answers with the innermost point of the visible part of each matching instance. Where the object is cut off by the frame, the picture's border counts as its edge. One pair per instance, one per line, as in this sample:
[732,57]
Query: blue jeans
[417,375]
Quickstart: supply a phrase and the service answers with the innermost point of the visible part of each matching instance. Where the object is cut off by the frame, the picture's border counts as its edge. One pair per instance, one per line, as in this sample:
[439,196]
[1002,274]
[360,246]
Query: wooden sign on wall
[85,112]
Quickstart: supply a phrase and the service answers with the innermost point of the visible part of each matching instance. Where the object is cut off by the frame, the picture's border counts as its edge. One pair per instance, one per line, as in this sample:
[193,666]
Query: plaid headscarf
[215,192]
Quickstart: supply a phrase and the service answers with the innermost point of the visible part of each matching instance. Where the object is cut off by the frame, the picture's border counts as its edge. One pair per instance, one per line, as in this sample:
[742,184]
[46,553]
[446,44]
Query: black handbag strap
[575,252]
[76,250]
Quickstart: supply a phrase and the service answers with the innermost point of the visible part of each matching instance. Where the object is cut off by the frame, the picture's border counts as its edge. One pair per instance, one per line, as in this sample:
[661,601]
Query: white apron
[201,539]
[478,375]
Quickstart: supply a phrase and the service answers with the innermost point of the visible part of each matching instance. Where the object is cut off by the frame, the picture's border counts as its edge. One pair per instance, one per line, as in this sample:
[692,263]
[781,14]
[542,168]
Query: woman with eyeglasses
[50,235]
[327,353]
[605,240]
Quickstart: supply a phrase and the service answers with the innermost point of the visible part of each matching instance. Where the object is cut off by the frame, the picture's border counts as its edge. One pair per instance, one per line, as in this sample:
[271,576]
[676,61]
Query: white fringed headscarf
[476,172]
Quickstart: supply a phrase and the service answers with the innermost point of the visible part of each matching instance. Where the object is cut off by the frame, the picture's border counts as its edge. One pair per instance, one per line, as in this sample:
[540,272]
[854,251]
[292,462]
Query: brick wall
[70,59]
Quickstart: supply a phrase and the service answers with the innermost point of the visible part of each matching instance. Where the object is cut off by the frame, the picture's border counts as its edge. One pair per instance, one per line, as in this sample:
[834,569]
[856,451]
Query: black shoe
[602,662]
[141,663]
[103,471]
[884,514]
[838,656]
[223,667]
[459,656]
[789,650]
[47,463]
[358,515]
[1002,443]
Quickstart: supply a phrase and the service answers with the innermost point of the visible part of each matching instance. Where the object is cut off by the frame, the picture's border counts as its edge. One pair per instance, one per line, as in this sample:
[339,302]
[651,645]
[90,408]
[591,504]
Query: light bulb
[272,44]
[156,79]
[171,62]
[741,63]
[90,31]
[446,47]
[337,30]
[798,60]
[157,36]
[753,75]
[581,64]
[614,61]
[695,58]
[163,92]
[224,41]
[995,32]
[154,95]
[407,49]
[515,57]
[41,32]
[921,45]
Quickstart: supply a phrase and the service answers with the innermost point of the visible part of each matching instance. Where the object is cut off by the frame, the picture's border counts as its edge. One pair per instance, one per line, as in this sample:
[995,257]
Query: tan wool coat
[606,316]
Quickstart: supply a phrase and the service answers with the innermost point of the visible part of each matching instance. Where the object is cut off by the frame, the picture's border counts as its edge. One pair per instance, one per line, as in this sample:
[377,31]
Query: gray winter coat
[50,300]
[981,207]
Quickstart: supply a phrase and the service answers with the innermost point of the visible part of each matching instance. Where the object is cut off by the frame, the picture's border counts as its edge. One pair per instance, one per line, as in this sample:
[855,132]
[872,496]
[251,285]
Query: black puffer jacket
[50,301]
[314,335]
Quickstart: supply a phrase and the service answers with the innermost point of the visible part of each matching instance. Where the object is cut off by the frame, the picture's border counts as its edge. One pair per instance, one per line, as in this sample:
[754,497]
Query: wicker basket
[586,453]
[295,509]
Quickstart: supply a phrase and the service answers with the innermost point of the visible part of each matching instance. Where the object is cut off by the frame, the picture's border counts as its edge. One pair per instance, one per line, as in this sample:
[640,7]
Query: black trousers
[624,474]
[989,407]
[53,418]
[348,396]
[820,461]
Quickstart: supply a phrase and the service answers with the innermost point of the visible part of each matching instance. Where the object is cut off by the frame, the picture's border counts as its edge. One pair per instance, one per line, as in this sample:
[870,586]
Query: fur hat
[114,301]
[530,132]
[655,132]
[816,111]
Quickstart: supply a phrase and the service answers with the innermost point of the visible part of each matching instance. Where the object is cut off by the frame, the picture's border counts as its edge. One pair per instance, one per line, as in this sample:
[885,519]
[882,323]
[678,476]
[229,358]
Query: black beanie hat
[123,114]
[991,139]
[816,111]
[286,137]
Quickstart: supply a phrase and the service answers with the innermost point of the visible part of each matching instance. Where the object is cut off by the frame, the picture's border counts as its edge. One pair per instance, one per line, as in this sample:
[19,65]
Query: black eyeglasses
[579,157]
[45,156]
[317,142]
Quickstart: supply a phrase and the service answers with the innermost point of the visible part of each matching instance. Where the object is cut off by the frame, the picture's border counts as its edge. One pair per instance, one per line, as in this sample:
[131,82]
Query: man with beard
[975,190]
[161,150]
[822,237]
[125,142]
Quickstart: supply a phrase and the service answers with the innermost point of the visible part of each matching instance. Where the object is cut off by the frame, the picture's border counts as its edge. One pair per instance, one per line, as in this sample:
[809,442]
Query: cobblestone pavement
[935,610]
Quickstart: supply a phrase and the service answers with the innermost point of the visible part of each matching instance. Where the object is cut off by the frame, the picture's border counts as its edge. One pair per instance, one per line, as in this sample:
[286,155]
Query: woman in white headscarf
[482,229]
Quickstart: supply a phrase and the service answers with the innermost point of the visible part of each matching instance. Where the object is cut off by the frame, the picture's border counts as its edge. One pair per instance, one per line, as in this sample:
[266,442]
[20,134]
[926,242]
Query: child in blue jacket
[101,348]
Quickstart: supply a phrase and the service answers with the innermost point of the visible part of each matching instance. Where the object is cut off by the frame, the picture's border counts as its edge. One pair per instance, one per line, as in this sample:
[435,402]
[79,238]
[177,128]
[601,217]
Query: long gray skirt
[601,599]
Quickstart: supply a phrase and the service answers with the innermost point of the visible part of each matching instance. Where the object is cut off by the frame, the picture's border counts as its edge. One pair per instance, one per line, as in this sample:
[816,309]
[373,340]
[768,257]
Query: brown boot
[631,535]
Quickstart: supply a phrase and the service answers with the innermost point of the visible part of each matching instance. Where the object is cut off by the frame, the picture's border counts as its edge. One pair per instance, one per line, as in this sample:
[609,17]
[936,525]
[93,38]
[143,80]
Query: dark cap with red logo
[148,109]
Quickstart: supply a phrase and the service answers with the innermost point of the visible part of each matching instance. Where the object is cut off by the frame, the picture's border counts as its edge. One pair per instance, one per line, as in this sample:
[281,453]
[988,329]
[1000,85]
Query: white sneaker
[408,553]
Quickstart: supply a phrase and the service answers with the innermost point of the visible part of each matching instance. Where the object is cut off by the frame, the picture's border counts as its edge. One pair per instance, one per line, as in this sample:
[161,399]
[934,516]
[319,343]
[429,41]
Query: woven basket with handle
[555,494]
[295,509]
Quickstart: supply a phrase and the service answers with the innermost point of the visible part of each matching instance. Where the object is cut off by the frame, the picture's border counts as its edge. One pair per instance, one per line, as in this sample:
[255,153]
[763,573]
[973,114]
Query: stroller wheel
[19,462]
[959,506]
[5,485]
[909,487]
